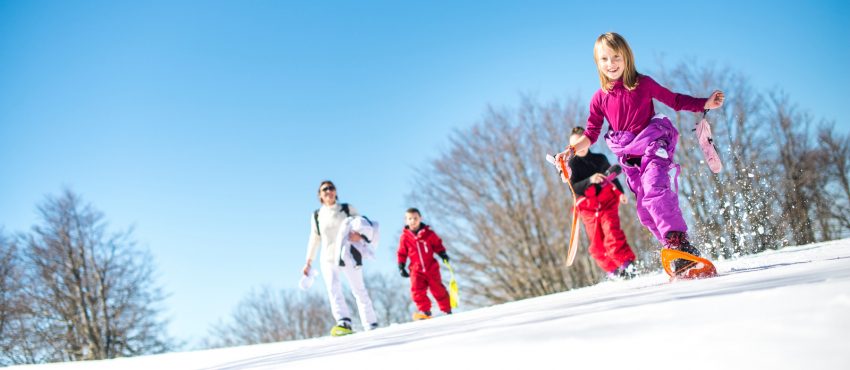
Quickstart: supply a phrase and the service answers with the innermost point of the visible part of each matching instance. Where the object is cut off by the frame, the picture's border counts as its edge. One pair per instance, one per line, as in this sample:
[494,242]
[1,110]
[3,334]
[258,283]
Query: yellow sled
[453,291]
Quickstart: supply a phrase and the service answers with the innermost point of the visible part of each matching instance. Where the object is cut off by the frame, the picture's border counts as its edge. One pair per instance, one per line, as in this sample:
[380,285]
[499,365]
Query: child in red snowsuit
[419,243]
[598,205]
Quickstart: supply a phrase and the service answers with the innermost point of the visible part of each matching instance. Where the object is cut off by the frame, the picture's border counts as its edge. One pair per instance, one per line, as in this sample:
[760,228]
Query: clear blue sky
[208,125]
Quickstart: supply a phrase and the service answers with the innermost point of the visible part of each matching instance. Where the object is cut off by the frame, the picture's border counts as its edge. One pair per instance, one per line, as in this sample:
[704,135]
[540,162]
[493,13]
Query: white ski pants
[333,282]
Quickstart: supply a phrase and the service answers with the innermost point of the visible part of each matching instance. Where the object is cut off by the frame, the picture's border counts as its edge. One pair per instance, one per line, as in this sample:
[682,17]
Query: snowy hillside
[786,309]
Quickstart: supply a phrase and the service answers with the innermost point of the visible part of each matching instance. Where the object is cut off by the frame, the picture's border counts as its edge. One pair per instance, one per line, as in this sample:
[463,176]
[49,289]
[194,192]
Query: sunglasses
[328,188]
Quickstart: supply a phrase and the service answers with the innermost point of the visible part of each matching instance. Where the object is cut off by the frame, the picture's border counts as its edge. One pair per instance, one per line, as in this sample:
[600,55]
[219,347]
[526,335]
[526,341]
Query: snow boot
[627,271]
[343,327]
[421,315]
[679,240]
[624,272]
[681,260]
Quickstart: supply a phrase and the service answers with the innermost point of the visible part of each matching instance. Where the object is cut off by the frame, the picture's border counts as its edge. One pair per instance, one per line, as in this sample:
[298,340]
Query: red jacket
[420,248]
[606,198]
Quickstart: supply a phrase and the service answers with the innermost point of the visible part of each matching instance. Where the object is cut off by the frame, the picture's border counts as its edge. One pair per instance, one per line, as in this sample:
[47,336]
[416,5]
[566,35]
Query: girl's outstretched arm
[673,100]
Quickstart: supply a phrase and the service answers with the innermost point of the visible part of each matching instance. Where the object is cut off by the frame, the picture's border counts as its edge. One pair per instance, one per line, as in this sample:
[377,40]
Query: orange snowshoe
[693,267]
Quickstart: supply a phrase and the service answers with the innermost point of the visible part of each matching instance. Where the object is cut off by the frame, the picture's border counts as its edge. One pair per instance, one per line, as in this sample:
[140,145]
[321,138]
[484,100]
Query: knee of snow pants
[659,199]
[419,290]
[361,295]
[634,180]
[333,283]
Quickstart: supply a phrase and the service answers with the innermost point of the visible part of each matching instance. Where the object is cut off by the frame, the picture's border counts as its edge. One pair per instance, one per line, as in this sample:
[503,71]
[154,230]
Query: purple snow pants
[657,203]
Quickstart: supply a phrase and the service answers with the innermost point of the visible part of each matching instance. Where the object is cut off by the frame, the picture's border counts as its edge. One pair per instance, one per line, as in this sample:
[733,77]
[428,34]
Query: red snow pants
[601,216]
[422,281]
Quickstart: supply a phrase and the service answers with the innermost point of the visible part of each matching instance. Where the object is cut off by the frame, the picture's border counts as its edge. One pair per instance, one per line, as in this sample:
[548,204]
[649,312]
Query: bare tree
[13,331]
[266,316]
[792,135]
[836,150]
[9,280]
[814,165]
[91,295]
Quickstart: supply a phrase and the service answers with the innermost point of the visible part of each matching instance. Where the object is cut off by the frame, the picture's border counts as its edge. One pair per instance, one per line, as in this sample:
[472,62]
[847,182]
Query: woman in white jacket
[326,224]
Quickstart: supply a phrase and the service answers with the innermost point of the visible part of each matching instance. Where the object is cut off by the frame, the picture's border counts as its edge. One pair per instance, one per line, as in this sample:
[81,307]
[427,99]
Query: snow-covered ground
[786,309]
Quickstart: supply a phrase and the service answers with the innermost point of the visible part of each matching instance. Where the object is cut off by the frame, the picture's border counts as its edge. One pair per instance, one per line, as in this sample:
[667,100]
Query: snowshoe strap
[676,178]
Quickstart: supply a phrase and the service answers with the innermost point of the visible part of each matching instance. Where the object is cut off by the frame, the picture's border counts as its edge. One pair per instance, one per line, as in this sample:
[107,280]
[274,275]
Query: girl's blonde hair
[619,45]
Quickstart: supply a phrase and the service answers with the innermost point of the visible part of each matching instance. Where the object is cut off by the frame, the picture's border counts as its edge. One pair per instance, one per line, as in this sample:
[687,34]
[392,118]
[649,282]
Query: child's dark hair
[414,210]
[578,130]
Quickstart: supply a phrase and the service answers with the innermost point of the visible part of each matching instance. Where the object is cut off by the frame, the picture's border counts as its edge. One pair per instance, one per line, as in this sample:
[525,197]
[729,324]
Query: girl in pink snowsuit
[643,141]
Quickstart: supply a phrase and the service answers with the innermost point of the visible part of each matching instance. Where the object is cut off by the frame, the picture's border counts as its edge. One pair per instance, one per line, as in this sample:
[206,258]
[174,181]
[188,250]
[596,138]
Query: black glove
[444,256]
[615,168]
[402,271]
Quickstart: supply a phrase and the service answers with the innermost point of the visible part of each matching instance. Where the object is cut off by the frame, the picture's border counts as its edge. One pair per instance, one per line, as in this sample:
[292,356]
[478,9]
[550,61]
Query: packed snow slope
[784,309]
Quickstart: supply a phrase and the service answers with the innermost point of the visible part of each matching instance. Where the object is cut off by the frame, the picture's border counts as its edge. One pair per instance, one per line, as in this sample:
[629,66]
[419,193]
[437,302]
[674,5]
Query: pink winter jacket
[631,110]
